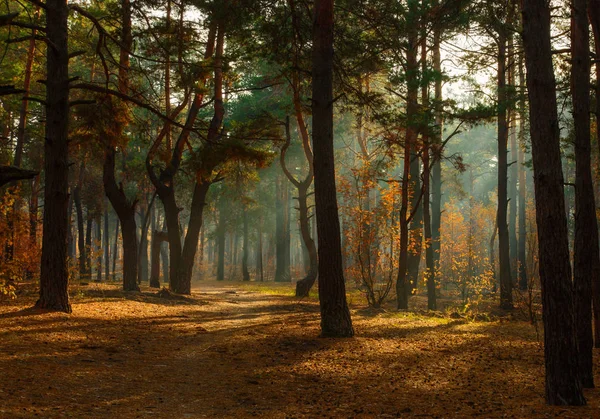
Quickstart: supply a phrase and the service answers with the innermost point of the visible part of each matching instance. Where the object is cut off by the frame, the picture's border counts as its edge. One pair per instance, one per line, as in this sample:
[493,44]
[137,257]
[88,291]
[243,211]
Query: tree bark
[335,315]
[594,15]
[282,231]
[158,237]
[522,255]
[586,263]
[503,236]
[54,276]
[116,195]
[563,385]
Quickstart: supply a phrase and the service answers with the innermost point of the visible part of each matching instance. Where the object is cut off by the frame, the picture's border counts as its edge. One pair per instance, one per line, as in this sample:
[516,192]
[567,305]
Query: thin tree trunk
[503,237]
[522,256]
[514,169]
[586,266]
[106,246]
[436,150]
[563,385]
[115,251]
[80,227]
[221,245]
[245,273]
[99,248]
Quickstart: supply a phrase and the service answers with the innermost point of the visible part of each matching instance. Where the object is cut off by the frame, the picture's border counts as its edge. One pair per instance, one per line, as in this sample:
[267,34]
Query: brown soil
[231,350]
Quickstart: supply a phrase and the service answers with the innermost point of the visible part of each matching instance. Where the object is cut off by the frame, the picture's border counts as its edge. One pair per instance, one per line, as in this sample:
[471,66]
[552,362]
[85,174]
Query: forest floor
[234,350]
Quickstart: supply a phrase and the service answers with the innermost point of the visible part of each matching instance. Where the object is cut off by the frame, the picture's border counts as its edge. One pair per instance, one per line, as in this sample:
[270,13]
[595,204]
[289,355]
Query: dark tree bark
[304,285]
[501,217]
[563,385]
[116,195]
[335,316]
[106,246]
[158,238]
[522,256]
[99,249]
[514,169]
[221,245]
[80,228]
[54,276]
[402,285]
[182,255]
[586,262]
[594,15]
[88,245]
[115,251]
[416,224]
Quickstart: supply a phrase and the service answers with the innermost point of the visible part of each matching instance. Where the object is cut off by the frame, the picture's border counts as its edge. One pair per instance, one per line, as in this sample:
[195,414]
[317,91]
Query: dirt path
[232,351]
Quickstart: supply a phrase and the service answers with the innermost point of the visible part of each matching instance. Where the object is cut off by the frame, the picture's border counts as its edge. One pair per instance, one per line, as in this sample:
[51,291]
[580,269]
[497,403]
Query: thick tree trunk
[586,264]
[594,15]
[563,385]
[54,276]
[335,316]
[503,237]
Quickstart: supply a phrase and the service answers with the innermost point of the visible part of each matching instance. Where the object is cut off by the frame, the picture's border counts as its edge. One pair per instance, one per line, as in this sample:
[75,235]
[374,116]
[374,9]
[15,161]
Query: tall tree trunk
[563,385]
[335,316]
[403,286]
[594,15]
[503,238]
[54,276]
[436,148]
[116,195]
[522,256]
[586,264]
[514,169]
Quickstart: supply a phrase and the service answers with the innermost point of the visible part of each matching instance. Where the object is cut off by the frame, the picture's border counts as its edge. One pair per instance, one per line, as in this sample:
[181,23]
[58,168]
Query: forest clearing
[249,350]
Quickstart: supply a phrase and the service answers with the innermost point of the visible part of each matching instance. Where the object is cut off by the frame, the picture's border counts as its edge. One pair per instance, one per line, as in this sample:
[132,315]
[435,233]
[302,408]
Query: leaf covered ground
[238,350]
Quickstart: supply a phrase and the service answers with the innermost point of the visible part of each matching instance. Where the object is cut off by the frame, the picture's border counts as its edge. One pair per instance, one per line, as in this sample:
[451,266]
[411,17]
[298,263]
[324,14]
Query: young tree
[335,315]
[563,385]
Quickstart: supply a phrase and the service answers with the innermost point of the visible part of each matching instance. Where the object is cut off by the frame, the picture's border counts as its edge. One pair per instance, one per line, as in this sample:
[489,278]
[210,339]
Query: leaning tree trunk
[335,315]
[586,261]
[563,385]
[54,275]
[282,231]
[304,285]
